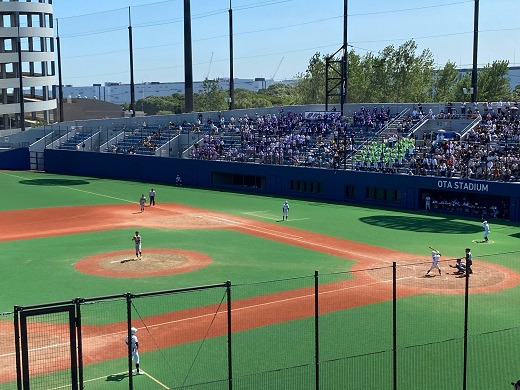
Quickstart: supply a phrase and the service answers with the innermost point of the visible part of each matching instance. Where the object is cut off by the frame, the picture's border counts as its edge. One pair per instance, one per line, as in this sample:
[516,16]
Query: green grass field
[355,344]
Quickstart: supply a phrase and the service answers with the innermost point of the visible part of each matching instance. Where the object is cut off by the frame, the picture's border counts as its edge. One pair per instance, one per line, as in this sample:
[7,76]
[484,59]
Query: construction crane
[276,70]
[209,67]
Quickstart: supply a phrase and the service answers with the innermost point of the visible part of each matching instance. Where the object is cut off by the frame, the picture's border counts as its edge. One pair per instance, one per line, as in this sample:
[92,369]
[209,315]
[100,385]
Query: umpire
[469,261]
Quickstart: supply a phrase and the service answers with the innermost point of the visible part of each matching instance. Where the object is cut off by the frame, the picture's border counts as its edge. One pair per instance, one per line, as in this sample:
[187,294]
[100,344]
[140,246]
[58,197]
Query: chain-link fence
[357,329]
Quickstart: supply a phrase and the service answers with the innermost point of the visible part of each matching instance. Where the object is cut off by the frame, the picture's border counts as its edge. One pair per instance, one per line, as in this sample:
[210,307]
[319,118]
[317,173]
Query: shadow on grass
[422,224]
[116,377]
[54,182]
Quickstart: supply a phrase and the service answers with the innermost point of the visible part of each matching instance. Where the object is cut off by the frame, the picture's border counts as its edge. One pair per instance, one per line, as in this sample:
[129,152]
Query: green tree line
[396,74]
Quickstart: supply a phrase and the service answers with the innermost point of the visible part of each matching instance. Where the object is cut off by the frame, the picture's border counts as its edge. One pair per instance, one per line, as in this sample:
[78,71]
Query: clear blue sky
[272,38]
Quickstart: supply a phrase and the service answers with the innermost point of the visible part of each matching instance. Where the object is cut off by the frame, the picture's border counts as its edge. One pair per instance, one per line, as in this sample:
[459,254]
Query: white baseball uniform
[135,353]
[435,261]
[137,240]
[142,202]
[285,211]
[486,230]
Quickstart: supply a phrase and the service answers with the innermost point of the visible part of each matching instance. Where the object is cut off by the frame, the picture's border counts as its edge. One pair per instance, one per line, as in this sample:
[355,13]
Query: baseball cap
[133,330]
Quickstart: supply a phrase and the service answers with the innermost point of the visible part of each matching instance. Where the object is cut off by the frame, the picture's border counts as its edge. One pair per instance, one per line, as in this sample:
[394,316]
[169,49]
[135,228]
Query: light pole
[231,75]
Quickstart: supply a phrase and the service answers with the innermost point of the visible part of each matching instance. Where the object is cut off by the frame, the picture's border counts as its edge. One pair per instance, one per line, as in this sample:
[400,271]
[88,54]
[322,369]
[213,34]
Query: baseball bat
[433,249]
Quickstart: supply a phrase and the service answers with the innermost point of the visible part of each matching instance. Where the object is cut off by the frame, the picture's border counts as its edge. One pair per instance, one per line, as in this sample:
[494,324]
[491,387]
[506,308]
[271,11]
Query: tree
[514,96]
[243,98]
[458,92]
[278,94]
[152,105]
[211,98]
[408,77]
[310,86]
[493,84]
[446,86]
[358,78]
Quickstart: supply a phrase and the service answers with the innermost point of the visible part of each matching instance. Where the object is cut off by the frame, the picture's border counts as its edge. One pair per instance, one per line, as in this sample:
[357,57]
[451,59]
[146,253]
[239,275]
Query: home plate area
[414,275]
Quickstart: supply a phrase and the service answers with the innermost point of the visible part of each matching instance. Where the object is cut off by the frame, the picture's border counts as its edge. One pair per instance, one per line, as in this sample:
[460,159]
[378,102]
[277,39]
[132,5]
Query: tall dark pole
[131,48]
[231,76]
[188,59]
[229,335]
[60,75]
[20,82]
[344,79]
[475,51]
[465,348]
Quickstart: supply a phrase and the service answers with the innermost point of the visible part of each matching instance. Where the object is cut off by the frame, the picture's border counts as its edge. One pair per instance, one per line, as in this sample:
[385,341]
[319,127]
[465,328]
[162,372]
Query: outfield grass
[356,344]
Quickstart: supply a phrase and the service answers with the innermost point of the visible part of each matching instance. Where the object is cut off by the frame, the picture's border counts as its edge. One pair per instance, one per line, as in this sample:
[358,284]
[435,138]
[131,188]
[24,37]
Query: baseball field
[67,237]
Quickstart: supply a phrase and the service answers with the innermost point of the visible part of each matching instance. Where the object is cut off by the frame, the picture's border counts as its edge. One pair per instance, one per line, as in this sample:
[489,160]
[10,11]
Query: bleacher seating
[75,142]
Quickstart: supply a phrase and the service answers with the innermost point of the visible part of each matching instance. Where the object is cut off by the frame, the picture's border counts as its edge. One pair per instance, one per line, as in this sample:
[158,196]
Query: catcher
[460,266]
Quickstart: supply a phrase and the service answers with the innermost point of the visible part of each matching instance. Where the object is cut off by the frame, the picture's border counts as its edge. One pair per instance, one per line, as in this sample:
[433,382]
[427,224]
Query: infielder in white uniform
[285,211]
[135,347]
[137,240]
[435,262]
[486,230]
[142,202]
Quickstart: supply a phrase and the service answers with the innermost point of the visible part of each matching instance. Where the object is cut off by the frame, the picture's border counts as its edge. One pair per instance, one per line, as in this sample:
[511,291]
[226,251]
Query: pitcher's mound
[154,262]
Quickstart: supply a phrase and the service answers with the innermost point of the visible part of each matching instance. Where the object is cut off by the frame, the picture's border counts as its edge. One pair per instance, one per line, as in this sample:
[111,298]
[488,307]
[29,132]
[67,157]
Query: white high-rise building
[26,63]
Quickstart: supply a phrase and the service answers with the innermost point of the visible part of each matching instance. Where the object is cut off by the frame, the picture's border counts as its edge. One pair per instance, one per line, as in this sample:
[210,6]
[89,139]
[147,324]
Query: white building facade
[26,33]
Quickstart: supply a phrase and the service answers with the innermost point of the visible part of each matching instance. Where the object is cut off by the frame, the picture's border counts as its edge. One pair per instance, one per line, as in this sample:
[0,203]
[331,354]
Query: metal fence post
[230,365]
[316,329]
[17,347]
[129,335]
[394,321]
[466,294]
[79,342]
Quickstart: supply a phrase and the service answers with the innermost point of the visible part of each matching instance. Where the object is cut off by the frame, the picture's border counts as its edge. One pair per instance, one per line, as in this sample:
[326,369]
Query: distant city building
[119,93]
[28,25]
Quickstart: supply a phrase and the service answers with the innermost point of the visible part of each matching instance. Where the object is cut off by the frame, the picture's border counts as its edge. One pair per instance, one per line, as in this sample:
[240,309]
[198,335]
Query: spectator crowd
[487,151]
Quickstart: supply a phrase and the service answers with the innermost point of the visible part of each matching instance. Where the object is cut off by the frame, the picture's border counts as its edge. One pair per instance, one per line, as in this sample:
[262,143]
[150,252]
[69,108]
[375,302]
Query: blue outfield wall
[389,190]
[15,159]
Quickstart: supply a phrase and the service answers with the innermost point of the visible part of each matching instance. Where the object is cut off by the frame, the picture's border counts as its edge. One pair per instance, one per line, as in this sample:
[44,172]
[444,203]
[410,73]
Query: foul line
[119,373]
[155,380]
[89,380]
[77,189]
